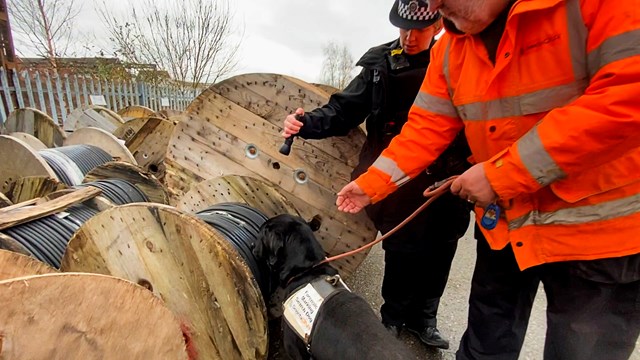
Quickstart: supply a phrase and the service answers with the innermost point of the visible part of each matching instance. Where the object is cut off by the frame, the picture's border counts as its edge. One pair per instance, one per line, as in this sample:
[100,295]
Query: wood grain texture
[35,143]
[256,193]
[4,200]
[146,182]
[147,139]
[93,116]
[134,112]
[215,139]
[17,160]
[102,139]
[85,316]
[35,122]
[31,187]
[14,265]
[14,215]
[192,267]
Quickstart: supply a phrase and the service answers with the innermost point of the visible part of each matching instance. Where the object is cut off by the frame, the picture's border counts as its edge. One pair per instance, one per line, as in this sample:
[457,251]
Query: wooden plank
[147,139]
[14,265]
[33,187]
[52,101]
[18,160]
[102,139]
[146,182]
[185,262]
[85,316]
[13,217]
[37,123]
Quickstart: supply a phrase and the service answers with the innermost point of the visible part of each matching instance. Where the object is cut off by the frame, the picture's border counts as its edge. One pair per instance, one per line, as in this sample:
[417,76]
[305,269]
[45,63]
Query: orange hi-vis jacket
[556,123]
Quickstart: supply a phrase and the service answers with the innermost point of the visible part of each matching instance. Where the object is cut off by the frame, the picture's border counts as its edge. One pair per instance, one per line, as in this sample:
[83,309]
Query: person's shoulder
[376,55]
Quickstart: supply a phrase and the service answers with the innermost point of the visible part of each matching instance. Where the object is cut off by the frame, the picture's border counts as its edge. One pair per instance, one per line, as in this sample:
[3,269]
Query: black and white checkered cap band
[414,10]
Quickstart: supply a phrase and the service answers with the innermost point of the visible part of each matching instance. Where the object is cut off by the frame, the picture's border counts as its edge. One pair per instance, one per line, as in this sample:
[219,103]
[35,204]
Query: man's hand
[352,199]
[291,124]
[474,187]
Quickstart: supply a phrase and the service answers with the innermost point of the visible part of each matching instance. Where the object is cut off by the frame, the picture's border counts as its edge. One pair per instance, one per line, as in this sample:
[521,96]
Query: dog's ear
[269,245]
[297,253]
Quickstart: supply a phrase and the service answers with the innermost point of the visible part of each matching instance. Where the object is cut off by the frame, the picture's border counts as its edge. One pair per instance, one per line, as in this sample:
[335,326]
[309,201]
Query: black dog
[331,322]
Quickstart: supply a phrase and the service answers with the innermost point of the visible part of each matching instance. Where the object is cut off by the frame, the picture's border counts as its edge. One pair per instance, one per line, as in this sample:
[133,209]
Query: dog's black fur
[346,327]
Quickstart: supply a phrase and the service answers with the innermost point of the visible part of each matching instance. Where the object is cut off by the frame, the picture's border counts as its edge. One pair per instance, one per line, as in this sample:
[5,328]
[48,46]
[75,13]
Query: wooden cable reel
[146,182]
[221,138]
[35,122]
[147,140]
[256,193]
[185,262]
[102,139]
[13,265]
[93,116]
[135,111]
[31,187]
[85,316]
[17,160]
[31,140]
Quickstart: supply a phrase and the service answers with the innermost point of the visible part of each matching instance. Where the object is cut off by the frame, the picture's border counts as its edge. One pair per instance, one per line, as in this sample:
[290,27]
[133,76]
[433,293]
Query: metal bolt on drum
[300,176]
[251,151]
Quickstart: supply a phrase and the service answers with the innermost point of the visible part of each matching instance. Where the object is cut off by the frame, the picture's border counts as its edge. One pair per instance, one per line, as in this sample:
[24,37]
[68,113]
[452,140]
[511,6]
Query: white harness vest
[303,305]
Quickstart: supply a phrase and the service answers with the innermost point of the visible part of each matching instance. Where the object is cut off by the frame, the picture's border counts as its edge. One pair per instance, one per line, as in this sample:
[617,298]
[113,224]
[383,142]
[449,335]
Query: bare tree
[338,66]
[190,39]
[44,27]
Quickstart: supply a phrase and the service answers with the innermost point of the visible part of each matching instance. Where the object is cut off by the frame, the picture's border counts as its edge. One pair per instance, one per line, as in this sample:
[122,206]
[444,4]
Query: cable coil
[46,238]
[72,163]
[240,225]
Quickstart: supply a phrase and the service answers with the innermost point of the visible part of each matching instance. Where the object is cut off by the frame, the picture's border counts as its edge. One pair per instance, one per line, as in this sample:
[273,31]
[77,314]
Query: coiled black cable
[46,238]
[240,225]
[118,191]
[72,163]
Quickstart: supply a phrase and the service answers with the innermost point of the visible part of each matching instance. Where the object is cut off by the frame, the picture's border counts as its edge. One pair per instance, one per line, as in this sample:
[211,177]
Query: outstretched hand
[291,124]
[352,199]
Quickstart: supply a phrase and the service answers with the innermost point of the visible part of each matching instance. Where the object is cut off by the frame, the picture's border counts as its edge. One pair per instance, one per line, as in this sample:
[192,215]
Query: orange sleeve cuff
[507,175]
[372,185]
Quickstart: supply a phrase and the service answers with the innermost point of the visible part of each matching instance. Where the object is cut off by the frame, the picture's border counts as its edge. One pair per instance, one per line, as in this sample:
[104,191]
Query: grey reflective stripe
[526,104]
[445,68]
[580,215]
[390,167]
[577,39]
[537,160]
[614,48]
[435,104]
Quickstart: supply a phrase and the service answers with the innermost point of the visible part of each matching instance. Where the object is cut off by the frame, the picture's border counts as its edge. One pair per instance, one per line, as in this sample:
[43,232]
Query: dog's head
[287,246]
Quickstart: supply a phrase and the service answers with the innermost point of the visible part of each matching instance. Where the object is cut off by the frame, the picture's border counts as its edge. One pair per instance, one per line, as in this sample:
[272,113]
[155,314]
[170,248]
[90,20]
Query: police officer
[382,95]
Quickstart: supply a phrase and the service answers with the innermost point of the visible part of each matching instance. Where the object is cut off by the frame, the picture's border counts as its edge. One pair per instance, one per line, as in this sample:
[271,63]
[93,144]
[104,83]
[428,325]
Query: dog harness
[302,307]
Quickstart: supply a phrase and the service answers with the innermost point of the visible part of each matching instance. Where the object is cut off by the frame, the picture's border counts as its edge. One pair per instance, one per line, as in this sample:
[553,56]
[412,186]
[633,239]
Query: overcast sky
[287,36]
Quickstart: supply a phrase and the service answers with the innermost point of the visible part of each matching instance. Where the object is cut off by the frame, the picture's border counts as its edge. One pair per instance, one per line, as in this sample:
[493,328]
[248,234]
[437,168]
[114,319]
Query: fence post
[43,105]
[6,90]
[16,84]
[61,102]
[67,88]
[52,101]
[27,83]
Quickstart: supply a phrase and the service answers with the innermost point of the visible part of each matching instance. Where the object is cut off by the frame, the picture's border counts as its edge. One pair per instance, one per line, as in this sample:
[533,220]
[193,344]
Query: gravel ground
[452,315]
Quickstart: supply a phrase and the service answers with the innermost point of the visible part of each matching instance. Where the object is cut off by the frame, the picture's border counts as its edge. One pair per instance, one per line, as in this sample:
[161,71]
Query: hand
[291,124]
[474,187]
[352,199]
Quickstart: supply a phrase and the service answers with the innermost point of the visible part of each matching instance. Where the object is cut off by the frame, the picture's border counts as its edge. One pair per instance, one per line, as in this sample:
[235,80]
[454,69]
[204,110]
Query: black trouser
[414,282]
[589,315]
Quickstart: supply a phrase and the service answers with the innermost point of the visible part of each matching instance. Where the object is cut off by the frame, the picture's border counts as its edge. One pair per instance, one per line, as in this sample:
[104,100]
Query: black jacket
[382,95]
